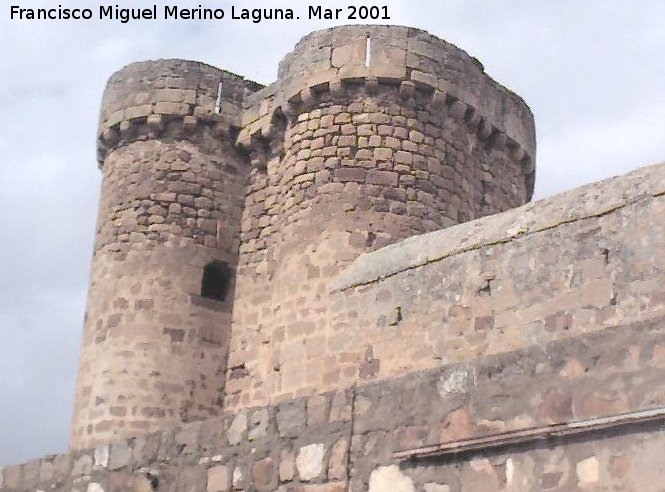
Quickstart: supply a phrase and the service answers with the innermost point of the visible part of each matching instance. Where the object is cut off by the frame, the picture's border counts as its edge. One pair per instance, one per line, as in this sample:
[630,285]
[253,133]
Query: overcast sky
[592,71]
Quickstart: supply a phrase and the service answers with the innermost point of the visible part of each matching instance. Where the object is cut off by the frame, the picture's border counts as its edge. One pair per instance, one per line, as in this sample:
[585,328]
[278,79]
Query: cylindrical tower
[370,135]
[157,324]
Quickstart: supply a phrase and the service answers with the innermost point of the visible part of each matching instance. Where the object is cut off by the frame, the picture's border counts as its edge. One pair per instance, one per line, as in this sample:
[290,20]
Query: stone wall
[558,268]
[374,437]
[347,159]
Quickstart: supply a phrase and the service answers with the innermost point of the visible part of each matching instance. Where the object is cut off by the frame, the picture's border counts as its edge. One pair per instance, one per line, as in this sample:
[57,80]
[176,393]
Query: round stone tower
[371,134]
[157,325]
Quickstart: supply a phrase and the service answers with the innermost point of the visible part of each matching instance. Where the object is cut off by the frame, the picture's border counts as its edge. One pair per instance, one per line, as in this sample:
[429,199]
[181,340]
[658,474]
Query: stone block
[120,455]
[178,109]
[239,478]
[48,472]
[555,408]
[309,461]
[457,425]
[170,95]
[353,73]
[366,130]
[382,178]
[403,157]
[320,487]
[390,478]
[422,79]
[324,77]
[364,154]
[388,73]
[218,479]
[264,474]
[337,464]
[597,293]
[237,429]
[409,146]
[594,405]
[82,466]
[287,465]
[259,421]
[187,437]
[138,111]
[383,154]
[350,54]
[317,409]
[102,456]
[192,479]
[350,174]
[30,477]
[587,471]
[435,487]
[291,417]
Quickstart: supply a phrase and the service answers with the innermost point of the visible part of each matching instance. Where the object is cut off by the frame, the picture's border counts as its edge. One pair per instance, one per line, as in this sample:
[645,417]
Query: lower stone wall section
[300,442]
[355,440]
[613,373]
[612,461]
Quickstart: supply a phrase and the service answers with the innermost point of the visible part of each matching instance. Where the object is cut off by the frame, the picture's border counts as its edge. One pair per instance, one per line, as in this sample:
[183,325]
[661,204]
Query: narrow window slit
[368,49]
[216,280]
[218,104]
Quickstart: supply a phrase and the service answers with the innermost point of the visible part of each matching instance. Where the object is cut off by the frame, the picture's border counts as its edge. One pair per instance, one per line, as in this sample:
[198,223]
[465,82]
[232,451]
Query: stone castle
[335,283]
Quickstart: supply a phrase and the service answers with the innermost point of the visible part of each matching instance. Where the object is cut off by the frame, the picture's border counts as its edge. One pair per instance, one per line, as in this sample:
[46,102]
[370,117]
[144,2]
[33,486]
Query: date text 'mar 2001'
[352,13]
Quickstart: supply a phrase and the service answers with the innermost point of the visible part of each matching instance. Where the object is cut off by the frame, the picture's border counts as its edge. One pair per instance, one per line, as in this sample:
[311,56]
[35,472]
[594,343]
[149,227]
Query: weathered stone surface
[309,461]
[82,465]
[390,479]
[587,471]
[237,429]
[120,455]
[337,464]
[287,465]
[340,409]
[291,416]
[259,422]
[435,487]
[102,456]
[457,425]
[239,478]
[317,409]
[219,479]
[264,474]
[191,479]
[188,438]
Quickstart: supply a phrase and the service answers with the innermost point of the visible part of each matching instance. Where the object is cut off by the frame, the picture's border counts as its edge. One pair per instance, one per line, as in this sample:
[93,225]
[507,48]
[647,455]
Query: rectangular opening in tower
[218,104]
[368,48]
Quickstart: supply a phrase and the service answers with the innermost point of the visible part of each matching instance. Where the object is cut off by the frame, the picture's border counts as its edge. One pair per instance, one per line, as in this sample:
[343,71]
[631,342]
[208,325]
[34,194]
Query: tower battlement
[330,63]
[184,98]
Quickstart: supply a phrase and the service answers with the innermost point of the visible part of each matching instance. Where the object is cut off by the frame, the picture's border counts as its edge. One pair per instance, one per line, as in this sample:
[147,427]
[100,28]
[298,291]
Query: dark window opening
[216,280]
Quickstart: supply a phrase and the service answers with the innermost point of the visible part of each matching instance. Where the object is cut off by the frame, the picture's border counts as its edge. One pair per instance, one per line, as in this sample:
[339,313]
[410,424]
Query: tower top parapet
[331,61]
[171,95]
